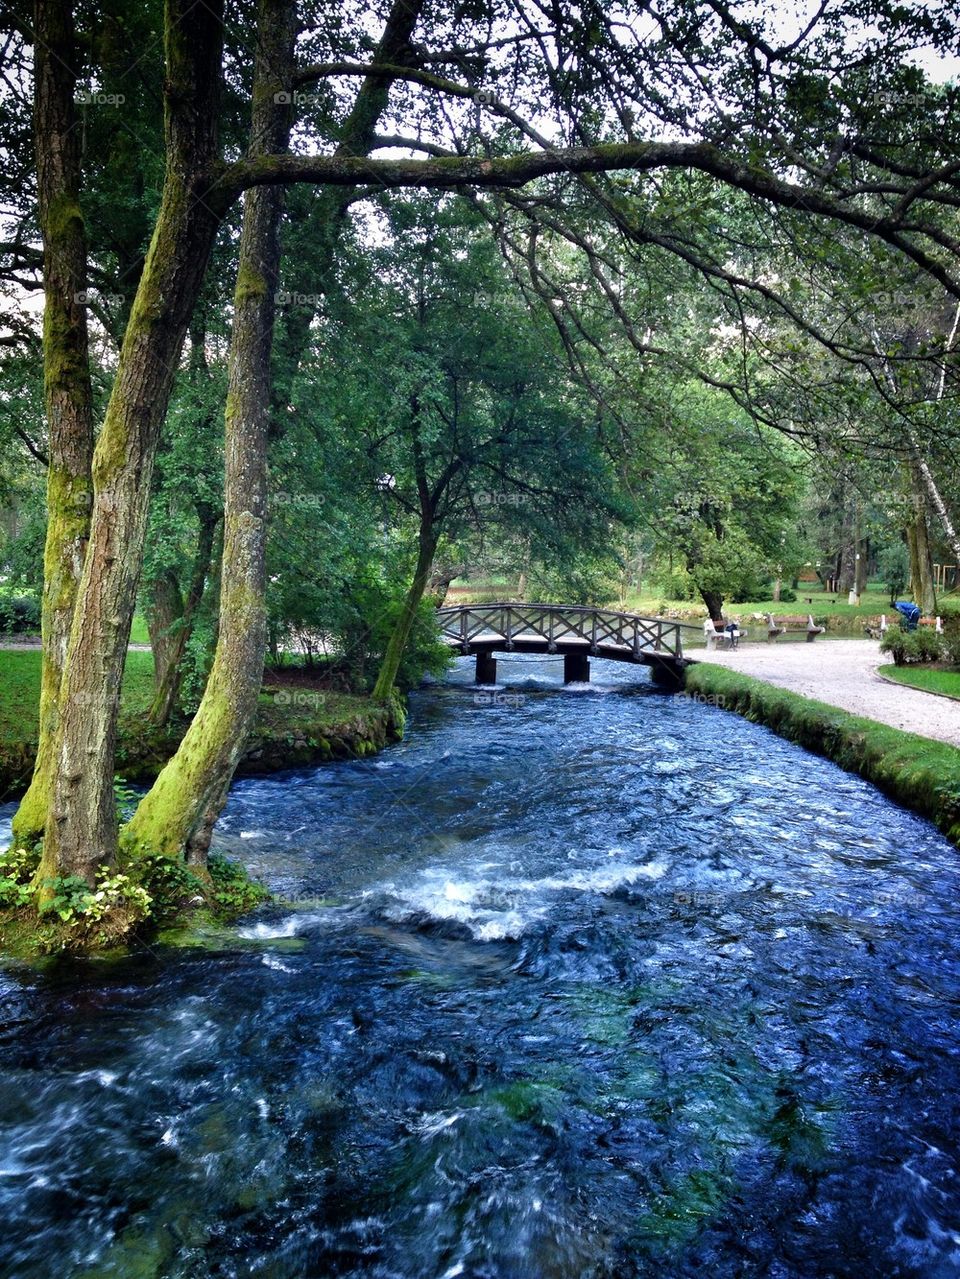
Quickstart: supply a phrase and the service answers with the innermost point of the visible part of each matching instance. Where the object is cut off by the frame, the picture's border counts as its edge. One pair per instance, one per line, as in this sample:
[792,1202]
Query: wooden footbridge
[576,632]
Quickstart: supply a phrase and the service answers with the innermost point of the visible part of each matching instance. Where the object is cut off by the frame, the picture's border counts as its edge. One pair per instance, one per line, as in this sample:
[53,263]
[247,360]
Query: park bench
[722,638]
[793,626]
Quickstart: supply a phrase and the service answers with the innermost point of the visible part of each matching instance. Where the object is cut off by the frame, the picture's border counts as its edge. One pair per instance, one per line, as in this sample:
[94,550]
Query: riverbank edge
[906,683]
[191,905]
[298,743]
[916,772]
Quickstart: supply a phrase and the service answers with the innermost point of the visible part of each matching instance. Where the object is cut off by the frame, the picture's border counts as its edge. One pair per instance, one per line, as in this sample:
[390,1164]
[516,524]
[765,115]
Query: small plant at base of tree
[234,892]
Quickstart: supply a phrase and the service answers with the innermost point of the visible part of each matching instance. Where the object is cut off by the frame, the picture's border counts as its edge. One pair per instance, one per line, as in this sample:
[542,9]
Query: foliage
[196,663]
[19,612]
[726,498]
[912,647]
[81,907]
[234,892]
[894,568]
[126,799]
[172,885]
[17,869]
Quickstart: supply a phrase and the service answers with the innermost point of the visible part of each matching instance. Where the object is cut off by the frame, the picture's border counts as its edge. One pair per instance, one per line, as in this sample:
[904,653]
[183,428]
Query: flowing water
[573,983]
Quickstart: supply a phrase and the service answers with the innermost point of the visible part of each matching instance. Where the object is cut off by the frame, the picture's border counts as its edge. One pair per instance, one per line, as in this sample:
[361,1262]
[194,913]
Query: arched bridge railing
[554,628]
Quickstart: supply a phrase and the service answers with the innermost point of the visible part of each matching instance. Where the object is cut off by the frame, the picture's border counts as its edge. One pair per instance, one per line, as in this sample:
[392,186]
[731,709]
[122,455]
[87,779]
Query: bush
[234,892]
[909,648]
[788,595]
[19,612]
[17,868]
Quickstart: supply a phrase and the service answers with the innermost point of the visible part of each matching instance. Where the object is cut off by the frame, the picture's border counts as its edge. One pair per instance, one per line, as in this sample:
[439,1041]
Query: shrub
[910,648]
[77,904]
[17,869]
[19,612]
[234,892]
[172,885]
[788,595]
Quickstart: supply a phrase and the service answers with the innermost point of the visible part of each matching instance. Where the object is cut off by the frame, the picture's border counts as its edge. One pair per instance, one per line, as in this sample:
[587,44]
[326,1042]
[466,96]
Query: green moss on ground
[137,901]
[917,772]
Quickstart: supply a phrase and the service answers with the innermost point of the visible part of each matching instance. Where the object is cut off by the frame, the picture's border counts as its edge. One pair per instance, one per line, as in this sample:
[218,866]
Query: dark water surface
[605,983]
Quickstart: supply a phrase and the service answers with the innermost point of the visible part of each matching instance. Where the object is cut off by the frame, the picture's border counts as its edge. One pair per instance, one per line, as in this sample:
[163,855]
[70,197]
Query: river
[571,983]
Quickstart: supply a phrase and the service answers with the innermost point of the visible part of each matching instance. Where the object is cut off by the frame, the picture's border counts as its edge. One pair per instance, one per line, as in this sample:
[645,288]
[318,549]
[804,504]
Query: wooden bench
[722,637]
[793,626]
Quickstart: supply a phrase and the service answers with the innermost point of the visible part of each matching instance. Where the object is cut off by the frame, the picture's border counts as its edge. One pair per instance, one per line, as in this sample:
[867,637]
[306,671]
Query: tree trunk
[66,375]
[387,676]
[179,811]
[170,621]
[916,573]
[81,827]
[925,479]
[924,591]
[714,603]
[164,611]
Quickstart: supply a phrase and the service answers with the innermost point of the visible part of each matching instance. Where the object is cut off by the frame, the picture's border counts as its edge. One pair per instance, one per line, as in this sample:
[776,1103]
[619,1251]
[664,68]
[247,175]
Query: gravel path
[843,673]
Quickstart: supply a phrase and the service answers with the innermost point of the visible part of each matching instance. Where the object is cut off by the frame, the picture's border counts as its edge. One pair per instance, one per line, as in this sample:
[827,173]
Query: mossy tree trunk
[179,811]
[387,675]
[67,389]
[81,826]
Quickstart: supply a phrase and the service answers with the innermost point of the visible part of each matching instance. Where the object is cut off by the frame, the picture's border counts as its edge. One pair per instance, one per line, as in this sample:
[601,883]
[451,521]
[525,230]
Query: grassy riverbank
[296,725]
[915,771]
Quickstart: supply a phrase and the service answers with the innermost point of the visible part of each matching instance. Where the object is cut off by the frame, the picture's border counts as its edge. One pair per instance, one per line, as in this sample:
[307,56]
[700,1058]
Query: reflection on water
[602,982]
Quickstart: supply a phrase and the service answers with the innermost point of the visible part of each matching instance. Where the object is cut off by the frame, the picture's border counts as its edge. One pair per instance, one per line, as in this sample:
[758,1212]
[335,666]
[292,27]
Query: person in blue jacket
[910,613]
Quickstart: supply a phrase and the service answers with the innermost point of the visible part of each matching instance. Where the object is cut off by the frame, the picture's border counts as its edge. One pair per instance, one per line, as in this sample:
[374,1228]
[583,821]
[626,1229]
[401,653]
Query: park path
[844,673]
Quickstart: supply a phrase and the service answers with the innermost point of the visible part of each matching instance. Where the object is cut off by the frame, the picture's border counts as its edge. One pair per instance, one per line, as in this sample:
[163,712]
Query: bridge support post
[486,668]
[576,668]
[668,674]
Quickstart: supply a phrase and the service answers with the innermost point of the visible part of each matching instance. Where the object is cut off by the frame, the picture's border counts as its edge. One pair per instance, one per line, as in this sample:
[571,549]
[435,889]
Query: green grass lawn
[648,603]
[930,679]
[20,691]
[872,601]
[138,631]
